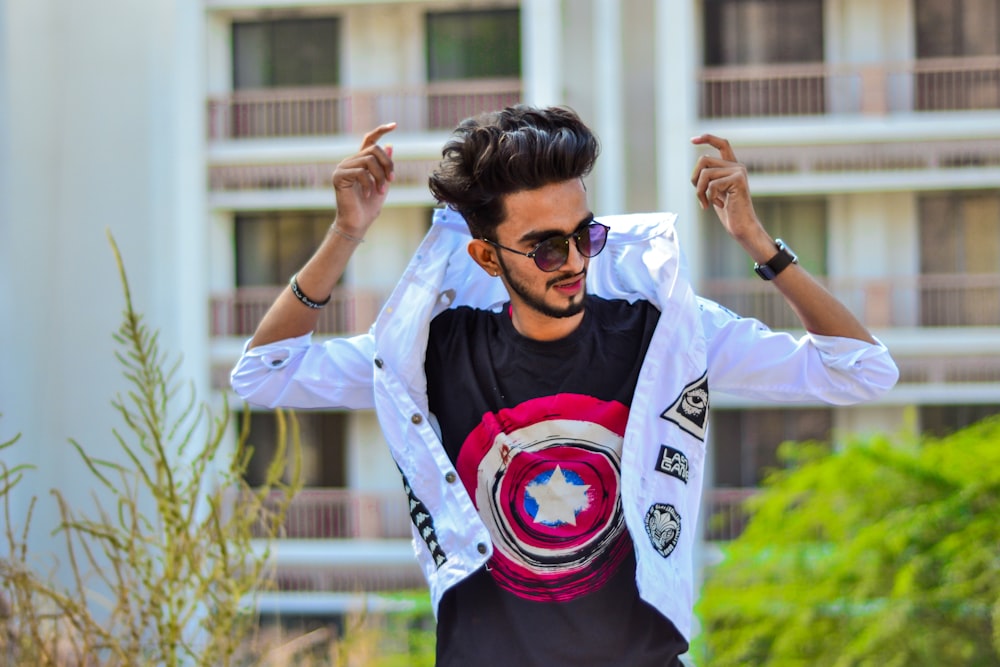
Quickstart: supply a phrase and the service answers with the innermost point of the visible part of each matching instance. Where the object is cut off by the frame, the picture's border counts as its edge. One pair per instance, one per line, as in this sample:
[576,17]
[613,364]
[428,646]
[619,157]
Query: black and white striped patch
[424,522]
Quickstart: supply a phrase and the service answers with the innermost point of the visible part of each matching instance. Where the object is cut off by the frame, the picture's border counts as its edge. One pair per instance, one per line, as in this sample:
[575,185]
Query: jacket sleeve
[299,373]
[747,359]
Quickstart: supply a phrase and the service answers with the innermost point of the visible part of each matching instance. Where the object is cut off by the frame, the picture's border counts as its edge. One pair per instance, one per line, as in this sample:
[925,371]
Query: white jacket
[696,344]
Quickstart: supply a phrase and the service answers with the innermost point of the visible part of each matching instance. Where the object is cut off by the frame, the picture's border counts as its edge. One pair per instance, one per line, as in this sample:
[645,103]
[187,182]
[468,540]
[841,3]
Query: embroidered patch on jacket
[672,462]
[425,524]
[690,410]
[663,525]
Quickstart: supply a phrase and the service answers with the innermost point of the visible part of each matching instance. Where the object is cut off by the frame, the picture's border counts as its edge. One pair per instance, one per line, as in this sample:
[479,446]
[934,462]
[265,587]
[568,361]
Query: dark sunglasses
[552,253]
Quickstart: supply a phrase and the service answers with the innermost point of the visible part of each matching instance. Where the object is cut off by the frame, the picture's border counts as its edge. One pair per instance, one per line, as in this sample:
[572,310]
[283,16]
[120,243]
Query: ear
[485,256]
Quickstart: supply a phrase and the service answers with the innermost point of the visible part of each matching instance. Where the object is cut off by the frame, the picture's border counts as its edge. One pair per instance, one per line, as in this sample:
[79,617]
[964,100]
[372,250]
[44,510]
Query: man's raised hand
[721,182]
[361,183]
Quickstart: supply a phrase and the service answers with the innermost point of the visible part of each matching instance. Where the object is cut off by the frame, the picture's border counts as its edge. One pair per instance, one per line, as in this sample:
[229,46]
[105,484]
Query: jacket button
[481,548]
[378,362]
[416,419]
[450,477]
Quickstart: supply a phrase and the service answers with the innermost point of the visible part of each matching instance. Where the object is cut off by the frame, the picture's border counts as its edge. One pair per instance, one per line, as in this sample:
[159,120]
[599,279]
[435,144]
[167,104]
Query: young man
[542,378]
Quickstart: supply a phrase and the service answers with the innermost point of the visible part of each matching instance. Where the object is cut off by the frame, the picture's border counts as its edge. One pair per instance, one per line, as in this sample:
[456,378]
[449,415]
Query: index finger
[372,137]
[722,145]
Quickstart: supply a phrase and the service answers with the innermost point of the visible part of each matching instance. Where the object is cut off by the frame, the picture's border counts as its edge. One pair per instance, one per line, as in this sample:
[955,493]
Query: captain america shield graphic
[546,478]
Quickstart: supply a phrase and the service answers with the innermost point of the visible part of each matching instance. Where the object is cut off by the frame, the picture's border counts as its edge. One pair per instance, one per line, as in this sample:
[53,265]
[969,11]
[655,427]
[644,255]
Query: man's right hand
[361,183]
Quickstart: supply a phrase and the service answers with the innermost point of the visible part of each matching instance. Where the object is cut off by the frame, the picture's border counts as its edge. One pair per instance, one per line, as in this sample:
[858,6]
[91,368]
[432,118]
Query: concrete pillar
[541,49]
[677,67]
[609,104]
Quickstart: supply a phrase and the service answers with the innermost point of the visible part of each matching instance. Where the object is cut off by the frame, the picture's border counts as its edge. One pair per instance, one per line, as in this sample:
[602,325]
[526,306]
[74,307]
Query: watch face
[784,248]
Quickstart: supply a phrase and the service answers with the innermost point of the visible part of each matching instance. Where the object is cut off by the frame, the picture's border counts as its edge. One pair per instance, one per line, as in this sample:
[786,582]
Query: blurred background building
[203,134]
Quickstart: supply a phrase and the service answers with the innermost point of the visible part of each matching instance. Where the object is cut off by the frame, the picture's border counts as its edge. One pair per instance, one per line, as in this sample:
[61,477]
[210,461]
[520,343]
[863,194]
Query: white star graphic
[558,499]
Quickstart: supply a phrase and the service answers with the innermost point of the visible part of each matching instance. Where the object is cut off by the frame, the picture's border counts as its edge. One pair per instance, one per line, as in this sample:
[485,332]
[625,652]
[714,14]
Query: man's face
[533,216]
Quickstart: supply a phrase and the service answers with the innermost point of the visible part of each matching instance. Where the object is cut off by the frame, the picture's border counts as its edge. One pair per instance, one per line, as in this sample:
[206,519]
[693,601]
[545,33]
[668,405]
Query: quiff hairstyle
[502,152]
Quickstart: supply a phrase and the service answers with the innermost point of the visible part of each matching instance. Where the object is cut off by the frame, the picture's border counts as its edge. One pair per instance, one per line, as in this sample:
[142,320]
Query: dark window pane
[252,57]
[323,437]
[960,232]
[745,32]
[256,244]
[801,223]
[270,247]
[286,52]
[745,442]
[940,420]
[938,234]
[947,28]
[473,44]
[959,255]
[981,26]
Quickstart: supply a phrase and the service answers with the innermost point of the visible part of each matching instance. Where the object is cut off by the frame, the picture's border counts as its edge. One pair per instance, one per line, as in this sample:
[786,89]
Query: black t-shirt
[535,431]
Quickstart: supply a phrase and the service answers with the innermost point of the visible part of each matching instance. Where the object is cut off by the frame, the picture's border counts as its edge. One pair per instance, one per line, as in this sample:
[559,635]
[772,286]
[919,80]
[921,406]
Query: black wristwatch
[778,263]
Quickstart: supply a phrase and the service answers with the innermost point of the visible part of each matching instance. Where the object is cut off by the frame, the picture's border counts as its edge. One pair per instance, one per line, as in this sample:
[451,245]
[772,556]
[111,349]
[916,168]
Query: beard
[538,304]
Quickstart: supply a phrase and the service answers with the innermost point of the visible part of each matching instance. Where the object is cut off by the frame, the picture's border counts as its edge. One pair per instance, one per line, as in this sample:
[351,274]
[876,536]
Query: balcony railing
[304,176]
[953,369]
[772,90]
[725,513]
[356,579]
[853,158]
[320,514]
[350,311]
[940,84]
[323,514]
[295,112]
[930,300]
[950,84]
[887,156]
[306,565]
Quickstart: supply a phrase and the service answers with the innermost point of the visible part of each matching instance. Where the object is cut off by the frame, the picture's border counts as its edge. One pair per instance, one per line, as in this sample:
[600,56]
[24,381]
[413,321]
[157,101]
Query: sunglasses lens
[591,241]
[551,254]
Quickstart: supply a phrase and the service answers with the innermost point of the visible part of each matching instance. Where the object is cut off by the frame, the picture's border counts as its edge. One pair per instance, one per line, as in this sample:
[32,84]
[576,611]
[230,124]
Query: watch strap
[781,261]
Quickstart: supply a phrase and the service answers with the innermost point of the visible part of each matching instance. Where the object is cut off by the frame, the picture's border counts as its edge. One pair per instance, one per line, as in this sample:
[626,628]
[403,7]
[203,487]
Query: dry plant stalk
[165,574]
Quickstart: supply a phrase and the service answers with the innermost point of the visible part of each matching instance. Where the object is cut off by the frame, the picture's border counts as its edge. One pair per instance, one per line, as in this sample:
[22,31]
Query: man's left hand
[721,182]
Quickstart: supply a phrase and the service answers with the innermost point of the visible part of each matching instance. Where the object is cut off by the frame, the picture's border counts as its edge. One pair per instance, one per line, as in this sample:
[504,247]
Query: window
[323,437]
[800,222]
[286,52]
[781,33]
[960,258]
[754,32]
[947,28]
[461,46]
[270,247]
[941,420]
[745,442]
[473,44]
[957,29]
[271,59]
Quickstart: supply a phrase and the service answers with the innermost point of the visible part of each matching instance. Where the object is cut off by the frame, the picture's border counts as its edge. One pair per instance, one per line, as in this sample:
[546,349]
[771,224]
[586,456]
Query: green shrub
[884,553]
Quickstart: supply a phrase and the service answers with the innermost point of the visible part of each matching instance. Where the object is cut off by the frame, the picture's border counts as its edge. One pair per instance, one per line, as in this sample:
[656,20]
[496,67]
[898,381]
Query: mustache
[565,278]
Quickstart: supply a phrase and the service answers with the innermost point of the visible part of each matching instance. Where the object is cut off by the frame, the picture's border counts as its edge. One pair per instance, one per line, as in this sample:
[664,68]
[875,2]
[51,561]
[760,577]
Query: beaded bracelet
[294,284]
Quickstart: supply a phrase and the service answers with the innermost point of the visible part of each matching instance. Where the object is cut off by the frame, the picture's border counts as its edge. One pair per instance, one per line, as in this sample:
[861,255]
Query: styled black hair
[502,152]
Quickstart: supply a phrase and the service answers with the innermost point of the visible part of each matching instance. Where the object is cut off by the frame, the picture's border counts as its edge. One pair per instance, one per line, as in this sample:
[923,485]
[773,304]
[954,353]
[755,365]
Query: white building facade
[205,136]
